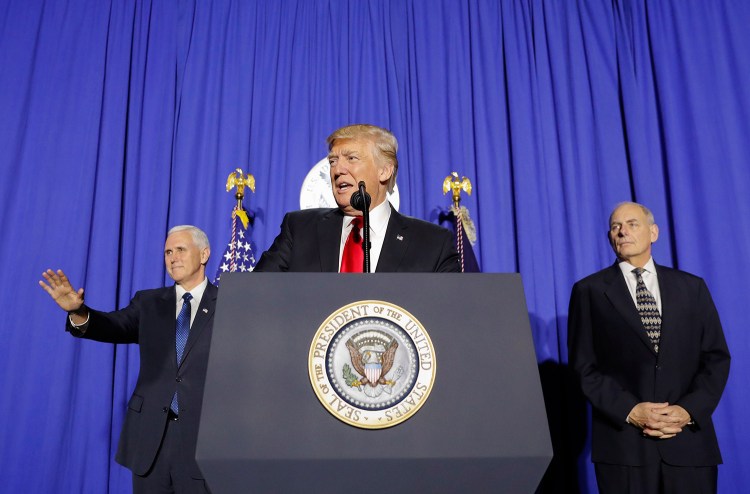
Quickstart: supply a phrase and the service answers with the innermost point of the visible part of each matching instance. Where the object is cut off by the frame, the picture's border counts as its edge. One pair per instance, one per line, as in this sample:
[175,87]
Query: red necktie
[352,261]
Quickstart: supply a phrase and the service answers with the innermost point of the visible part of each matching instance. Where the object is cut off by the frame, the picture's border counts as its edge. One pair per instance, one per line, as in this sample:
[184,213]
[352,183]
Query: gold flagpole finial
[452,183]
[240,180]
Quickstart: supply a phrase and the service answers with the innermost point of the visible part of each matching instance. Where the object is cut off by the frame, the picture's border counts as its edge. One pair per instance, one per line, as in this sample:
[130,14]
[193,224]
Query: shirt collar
[196,292]
[627,268]
[379,216]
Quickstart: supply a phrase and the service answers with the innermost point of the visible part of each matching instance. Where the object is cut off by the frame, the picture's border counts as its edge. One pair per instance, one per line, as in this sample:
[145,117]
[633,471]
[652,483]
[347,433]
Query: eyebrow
[344,152]
[184,246]
[629,220]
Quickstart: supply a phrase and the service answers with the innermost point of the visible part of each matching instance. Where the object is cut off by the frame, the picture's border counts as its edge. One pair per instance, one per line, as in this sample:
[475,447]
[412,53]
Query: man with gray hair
[172,326]
[330,240]
[647,344]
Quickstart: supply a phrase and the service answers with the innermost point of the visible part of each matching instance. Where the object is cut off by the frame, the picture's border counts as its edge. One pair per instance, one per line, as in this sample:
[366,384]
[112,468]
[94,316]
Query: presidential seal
[372,364]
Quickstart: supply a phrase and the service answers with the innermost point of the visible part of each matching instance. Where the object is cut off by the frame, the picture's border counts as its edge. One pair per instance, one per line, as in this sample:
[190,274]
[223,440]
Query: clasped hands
[660,420]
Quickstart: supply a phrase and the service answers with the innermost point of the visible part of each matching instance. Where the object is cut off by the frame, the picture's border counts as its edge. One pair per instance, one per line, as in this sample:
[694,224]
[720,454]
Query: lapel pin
[205,311]
[399,237]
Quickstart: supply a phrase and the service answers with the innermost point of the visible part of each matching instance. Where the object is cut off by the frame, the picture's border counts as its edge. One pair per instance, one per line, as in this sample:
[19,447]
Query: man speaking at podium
[330,240]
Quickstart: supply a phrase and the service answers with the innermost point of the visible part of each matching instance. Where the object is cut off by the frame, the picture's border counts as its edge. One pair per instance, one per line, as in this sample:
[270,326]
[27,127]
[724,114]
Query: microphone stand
[365,228]
[361,200]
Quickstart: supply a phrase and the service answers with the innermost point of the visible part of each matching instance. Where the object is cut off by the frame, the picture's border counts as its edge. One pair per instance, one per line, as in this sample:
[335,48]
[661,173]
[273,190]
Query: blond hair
[385,142]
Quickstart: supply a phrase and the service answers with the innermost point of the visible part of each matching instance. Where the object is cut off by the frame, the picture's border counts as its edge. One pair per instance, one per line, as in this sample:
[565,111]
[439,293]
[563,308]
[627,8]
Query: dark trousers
[170,473]
[655,479]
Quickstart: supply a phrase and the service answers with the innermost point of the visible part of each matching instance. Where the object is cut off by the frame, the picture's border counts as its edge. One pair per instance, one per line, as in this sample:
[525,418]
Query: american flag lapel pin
[399,237]
[205,311]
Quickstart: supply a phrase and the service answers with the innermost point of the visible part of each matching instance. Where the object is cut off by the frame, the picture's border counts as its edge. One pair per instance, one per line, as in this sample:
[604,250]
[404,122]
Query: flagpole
[453,184]
[238,255]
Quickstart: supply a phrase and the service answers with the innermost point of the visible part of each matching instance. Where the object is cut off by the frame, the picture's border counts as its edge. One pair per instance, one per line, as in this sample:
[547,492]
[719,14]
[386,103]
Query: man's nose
[342,168]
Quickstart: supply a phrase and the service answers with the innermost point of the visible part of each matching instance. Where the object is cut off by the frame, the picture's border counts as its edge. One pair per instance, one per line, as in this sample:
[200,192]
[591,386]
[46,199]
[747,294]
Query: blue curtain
[121,118]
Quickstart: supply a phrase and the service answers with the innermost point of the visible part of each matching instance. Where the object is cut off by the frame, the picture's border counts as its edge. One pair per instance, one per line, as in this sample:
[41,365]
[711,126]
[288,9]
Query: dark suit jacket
[149,320]
[618,367]
[309,242]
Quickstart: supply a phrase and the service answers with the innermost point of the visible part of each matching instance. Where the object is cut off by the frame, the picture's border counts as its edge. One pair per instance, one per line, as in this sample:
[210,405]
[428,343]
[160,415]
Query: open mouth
[343,186]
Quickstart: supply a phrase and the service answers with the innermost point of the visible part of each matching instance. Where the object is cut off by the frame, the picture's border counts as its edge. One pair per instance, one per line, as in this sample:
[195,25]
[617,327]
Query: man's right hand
[63,293]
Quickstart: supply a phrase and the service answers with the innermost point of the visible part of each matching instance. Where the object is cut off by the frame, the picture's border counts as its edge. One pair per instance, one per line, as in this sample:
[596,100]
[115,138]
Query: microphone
[361,199]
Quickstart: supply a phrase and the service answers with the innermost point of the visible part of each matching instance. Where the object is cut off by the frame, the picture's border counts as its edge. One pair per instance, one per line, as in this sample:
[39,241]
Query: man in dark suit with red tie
[172,326]
[648,347]
[329,240]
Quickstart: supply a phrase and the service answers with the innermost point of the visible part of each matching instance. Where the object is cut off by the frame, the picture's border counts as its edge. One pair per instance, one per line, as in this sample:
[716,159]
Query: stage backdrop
[121,118]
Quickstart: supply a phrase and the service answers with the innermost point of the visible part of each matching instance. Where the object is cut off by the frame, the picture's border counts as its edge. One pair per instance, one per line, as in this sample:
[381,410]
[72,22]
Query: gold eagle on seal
[372,366]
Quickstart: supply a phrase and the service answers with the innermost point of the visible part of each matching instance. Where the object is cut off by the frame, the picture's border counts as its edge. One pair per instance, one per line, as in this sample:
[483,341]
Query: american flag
[240,252]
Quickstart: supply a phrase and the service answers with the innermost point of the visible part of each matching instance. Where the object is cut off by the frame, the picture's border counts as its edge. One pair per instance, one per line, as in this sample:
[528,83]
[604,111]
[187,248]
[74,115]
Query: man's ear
[385,172]
[205,254]
[654,231]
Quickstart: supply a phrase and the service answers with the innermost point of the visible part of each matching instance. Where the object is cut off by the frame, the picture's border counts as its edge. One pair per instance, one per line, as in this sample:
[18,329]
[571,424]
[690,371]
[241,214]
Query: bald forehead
[183,237]
[626,212]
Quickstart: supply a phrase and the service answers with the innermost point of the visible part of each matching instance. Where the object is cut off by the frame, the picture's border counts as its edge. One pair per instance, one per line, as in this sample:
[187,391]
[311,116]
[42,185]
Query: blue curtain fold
[122,118]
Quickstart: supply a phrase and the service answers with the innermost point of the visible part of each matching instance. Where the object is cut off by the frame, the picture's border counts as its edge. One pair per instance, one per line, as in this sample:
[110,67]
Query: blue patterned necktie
[647,309]
[181,337]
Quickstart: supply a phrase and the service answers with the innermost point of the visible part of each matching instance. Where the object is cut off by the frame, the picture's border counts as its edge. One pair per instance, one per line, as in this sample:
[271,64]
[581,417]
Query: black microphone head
[357,202]
[356,199]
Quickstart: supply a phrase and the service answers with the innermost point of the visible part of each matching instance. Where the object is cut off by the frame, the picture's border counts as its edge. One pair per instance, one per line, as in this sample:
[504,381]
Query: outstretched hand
[62,292]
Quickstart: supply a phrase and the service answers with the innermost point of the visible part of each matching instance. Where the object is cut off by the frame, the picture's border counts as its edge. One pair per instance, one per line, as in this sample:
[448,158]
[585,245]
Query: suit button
[165,409]
[658,367]
[179,379]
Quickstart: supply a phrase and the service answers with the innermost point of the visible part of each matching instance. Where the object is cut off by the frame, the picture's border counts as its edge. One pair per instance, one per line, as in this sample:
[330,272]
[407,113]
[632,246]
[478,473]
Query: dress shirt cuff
[82,325]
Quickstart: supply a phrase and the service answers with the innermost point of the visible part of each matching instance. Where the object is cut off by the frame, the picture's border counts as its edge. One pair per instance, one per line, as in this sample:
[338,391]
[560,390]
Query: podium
[483,427]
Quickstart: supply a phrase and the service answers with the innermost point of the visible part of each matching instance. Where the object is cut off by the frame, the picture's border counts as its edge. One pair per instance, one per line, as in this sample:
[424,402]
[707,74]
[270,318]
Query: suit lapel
[395,244]
[618,294]
[205,312]
[329,240]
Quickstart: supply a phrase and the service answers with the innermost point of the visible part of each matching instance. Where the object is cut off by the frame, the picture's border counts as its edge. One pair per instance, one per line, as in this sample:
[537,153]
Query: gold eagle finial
[452,183]
[239,179]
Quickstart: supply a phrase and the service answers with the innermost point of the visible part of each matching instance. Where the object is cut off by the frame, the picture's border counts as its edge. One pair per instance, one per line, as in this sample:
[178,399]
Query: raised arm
[62,292]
